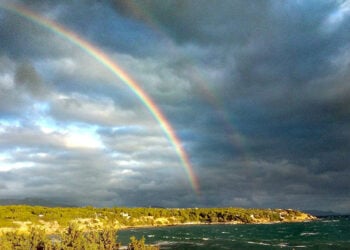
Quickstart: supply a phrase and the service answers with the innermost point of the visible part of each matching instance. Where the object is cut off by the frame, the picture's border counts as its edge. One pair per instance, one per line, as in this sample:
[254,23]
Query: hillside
[55,219]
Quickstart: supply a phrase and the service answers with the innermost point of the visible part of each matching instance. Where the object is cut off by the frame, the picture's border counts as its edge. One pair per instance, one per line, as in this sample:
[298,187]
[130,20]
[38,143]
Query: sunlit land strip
[100,56]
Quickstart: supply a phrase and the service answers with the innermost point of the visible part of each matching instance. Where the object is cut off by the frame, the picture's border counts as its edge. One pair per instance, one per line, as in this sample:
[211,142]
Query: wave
[309,233]
[282,245]
[259,243]
[286,236]
[329,221]
[172,243]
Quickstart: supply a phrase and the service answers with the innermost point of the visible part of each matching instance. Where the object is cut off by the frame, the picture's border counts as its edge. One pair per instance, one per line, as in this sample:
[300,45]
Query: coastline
[323,233]
[213,223]
[52,220]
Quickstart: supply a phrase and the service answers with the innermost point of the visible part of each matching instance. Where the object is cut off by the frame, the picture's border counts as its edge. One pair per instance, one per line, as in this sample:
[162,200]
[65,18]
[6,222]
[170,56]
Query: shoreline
[23,218]
[124,228]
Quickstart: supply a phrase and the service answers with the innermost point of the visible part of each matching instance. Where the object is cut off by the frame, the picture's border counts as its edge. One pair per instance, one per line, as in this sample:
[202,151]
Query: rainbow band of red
[101,57]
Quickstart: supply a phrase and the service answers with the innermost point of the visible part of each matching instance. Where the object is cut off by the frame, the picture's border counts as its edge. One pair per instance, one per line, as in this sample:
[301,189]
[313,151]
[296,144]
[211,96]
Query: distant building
[125,215]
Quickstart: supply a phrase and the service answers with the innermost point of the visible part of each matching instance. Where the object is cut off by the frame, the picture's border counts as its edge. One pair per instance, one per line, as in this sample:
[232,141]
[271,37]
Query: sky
[257,93]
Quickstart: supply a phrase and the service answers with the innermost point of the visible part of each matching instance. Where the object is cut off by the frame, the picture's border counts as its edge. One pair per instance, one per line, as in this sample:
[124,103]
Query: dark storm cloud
[257,91]
[23,39]
[201,21]
[106,28]
[284,68]
[26,77]
[20,86]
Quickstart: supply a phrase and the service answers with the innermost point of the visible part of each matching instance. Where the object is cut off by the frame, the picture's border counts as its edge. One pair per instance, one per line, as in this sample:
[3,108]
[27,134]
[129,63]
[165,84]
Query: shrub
[136,244]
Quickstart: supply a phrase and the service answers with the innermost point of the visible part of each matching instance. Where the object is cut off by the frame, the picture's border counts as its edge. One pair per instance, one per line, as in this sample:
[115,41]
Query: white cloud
[82,139]
[335,19]
[6,82]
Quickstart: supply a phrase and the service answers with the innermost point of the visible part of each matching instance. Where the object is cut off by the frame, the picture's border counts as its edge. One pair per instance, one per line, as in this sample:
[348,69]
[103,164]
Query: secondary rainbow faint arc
[100,56]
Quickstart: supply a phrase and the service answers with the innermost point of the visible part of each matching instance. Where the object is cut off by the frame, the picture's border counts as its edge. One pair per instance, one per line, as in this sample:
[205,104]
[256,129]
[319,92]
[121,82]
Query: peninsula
[100,223]
[52,219]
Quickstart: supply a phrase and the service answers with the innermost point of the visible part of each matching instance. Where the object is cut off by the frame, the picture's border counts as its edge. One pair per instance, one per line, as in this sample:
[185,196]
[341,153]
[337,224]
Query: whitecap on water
[282,245]
[329,221]
[308,233]
[259,243]
[166,243]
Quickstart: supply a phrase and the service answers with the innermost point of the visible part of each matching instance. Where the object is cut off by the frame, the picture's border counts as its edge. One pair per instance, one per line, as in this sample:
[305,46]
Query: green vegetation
[71,238]
[136,244]
[37,227]
[126,217]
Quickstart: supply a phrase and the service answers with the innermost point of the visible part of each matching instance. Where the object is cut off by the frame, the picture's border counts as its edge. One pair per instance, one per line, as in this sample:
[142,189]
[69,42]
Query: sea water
[325,233]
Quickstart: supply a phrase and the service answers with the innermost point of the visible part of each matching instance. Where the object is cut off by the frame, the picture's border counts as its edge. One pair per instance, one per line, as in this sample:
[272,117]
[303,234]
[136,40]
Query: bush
[72,238]
[136,244]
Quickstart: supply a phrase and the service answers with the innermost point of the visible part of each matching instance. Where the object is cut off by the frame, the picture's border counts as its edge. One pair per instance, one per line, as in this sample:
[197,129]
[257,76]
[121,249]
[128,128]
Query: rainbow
[101,57]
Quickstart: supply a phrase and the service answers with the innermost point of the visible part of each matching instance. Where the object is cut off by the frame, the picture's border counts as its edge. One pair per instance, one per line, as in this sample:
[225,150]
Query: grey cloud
[28,137]
[106,28]
[21,88]
[283,88]
[94,180]
[129,143]
[100,110]
[27,78]
[256,91]
[23,38]
[201,21]
[267,184]
[7,84]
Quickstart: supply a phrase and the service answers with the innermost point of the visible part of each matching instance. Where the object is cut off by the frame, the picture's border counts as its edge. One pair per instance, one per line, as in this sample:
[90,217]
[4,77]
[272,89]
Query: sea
[325,233]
